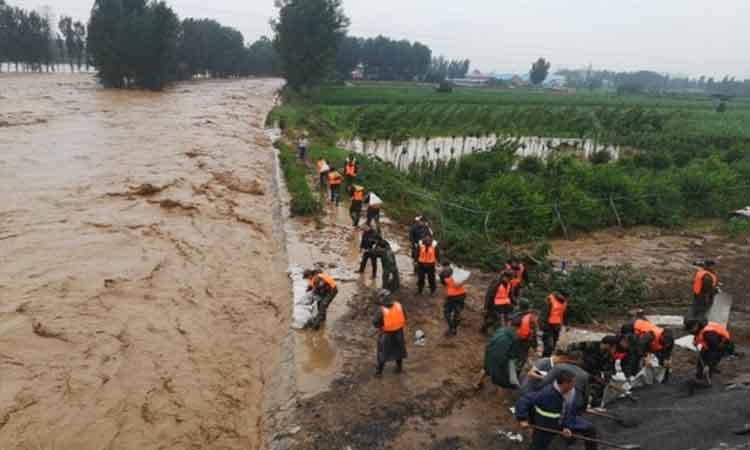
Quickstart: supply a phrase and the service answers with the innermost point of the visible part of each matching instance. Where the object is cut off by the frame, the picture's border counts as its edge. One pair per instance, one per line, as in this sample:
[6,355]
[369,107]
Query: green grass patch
[303,202]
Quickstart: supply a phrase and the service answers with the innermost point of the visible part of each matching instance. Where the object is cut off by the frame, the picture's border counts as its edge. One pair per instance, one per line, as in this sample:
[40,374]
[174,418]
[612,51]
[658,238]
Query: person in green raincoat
[501,358]
[391,280]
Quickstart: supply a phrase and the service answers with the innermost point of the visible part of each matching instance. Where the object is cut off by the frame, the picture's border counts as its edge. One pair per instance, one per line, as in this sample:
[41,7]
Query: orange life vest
[502,296]
[452,289]
[524,331]
[642,327]
[359,195]
[698,280]
[557,310]
[393,318]
[334,178]
[714,327]
[427,254]
[350,169]
[327,279]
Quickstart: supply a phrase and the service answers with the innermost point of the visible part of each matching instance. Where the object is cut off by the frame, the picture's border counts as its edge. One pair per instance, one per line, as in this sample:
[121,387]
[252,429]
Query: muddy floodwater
[144,298]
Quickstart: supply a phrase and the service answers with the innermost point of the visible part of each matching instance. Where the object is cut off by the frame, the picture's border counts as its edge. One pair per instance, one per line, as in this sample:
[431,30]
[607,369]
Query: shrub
[445,87]
[737,227]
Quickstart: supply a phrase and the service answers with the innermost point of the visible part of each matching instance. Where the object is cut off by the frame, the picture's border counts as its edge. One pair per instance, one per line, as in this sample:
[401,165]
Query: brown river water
[144,298]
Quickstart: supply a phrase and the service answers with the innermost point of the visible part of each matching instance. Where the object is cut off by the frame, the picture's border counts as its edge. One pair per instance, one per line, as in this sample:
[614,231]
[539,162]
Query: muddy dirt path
[144,295]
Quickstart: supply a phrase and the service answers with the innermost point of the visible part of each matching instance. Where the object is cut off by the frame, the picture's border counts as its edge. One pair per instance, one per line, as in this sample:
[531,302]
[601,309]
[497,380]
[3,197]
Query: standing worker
[527,322]
[520,276]
[455,299]
[417,231]
[705,286]
[554,317]
[302,146]
[350,170]
[370,237]
[427,259]
[713,342]
[390,319]
[323,169]
[324,291]
[355,209]
[553,407]
[391,279]
[334,182]
[498,304]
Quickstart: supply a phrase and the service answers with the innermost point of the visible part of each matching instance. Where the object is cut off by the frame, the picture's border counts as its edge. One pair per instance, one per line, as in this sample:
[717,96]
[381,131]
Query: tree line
[30,42]
[645,81]
[143,43]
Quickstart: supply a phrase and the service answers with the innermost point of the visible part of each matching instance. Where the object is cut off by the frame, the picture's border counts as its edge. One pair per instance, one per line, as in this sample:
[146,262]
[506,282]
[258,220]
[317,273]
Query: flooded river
[143,289]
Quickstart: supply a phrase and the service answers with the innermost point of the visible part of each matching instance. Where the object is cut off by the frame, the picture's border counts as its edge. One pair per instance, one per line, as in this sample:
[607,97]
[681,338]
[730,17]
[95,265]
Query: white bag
[375,200]
[460,275]
[324,168]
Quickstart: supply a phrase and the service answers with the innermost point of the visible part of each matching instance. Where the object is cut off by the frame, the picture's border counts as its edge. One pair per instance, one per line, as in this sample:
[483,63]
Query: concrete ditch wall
[415,150]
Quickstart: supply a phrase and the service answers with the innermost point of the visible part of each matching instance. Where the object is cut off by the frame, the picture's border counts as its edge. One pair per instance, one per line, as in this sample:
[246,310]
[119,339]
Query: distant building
[473,79]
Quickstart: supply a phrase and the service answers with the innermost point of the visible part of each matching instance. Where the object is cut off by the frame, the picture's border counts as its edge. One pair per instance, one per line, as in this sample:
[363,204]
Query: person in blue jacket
[554,407]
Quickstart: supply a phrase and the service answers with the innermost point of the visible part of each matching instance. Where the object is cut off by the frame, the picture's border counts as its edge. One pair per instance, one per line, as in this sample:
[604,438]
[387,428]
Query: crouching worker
[713,342]
[324,291]
[553,407]
[390,319]
[501,359]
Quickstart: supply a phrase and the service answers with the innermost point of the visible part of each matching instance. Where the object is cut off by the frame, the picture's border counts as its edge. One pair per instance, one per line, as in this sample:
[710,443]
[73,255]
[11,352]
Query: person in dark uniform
[554,407]
[370,237]
[390,319]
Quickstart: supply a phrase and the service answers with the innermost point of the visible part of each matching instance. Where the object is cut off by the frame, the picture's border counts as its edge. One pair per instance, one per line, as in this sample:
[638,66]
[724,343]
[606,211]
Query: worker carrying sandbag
[334,183]
[351,169]
[323,169]
[455,299]
[705,288]
[324,290]
[390,319]
[374,203]
[357,193]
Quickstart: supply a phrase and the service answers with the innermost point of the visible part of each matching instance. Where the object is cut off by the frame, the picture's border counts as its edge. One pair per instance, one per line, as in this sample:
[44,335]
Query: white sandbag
[303,301]
[460,275]
[324,168]
[375,200]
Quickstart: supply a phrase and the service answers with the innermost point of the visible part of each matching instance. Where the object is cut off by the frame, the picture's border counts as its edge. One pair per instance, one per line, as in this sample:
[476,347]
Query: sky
[680,37]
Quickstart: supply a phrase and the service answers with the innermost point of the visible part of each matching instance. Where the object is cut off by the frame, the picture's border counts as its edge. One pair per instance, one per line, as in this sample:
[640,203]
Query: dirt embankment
[144,295]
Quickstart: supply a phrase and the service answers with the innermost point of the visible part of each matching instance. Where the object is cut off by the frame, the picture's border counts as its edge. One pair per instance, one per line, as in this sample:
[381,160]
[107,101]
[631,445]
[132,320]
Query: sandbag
[375,200]
[460,276]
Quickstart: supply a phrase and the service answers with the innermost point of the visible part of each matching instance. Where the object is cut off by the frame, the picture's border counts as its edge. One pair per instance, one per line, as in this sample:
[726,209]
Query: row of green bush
[303,202]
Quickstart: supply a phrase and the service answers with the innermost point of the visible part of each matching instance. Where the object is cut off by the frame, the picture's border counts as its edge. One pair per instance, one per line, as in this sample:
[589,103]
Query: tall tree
[79,44]
[65,25]
[539,71]
[307,37]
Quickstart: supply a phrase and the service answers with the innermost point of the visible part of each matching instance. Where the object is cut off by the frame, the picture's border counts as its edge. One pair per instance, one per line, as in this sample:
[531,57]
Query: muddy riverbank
[144,295]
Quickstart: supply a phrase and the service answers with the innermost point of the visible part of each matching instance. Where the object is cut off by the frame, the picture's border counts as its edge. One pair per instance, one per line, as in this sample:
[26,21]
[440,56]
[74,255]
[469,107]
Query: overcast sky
[691,37]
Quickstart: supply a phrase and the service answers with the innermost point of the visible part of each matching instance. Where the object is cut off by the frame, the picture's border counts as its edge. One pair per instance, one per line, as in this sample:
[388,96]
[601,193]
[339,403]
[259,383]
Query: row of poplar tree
[29,41]
[131,43]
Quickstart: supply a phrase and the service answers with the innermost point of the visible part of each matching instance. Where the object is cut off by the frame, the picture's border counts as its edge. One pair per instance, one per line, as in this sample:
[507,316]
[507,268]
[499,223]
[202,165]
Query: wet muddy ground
[432,405]
[143,294]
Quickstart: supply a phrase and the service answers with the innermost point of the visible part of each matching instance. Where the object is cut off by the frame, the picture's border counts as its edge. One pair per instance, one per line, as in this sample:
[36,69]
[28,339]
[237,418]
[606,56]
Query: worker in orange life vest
[554,317]
[355,209]
[651,339]
[526,321]
[705,287]
[427,258]
[713,341]
[520,276]
[334,182]
[390,319]
[324,291]
[351,169]
[498,303]
[455,299]
[323,169]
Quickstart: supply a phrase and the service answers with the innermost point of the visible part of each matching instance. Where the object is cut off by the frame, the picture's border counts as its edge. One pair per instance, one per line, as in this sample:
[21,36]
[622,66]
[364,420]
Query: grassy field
[687,124]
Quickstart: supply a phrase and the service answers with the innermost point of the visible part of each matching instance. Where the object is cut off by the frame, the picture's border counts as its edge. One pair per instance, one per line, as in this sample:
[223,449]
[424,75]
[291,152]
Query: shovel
[629,422]
[588,439]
